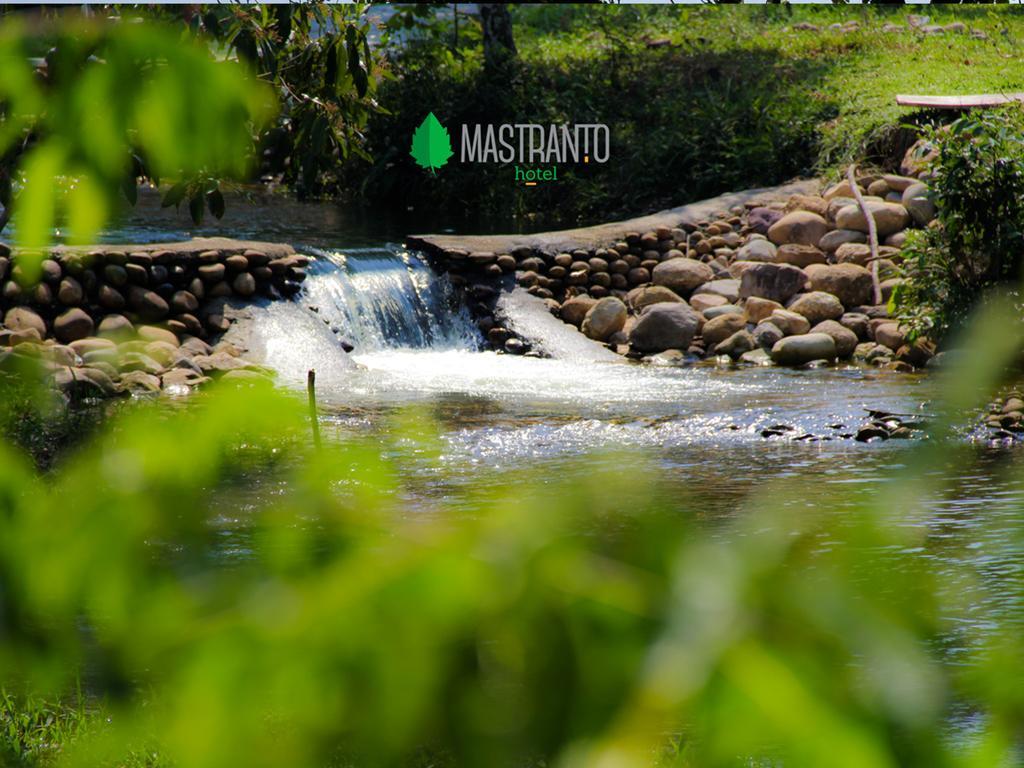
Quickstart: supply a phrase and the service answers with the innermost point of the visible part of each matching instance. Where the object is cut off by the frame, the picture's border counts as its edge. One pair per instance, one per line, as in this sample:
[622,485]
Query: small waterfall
[378,298]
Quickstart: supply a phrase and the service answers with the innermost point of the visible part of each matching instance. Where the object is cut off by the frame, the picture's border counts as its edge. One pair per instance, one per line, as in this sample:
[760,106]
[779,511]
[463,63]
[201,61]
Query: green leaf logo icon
[431,145]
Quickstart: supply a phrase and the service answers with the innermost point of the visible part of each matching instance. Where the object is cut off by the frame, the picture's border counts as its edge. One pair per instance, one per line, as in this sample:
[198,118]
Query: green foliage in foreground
[977,178]
[562,623]
[699,100]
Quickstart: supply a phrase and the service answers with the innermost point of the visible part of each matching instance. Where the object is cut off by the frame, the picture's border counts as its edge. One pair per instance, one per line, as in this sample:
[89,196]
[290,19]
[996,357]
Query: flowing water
[532,419]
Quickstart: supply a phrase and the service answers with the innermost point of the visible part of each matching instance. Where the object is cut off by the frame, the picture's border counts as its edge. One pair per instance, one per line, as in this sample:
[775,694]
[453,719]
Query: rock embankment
[109,320]
[783,279]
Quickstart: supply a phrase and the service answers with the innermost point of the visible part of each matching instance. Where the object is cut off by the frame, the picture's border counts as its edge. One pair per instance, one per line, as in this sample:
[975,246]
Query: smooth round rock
[797,350]
[664,326]
[72,325]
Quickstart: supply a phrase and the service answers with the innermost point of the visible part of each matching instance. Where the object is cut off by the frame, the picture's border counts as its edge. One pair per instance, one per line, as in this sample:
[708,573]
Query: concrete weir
[603,234]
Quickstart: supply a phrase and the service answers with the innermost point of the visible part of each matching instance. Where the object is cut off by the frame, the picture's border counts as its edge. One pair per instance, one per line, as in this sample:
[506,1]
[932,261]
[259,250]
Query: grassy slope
[859,72]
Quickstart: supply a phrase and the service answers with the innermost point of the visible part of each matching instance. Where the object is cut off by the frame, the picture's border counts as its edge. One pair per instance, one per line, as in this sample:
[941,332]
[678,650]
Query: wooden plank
[959,102]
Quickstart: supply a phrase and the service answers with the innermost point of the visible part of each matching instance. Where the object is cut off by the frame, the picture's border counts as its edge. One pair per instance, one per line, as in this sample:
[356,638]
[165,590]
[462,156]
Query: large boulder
[849,283]
[918,201]
[801,227]
[664,326]
[645,295]
[817,306]
[682,275]
[889,218]
[778,282]
[72,325]
[722,327]
[845,339]
[604,318]
[574,309]
[757,249]
[797,350]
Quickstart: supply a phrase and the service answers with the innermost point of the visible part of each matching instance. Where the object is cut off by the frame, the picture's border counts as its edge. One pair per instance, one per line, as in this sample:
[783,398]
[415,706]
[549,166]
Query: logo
[521,144]
[431,145]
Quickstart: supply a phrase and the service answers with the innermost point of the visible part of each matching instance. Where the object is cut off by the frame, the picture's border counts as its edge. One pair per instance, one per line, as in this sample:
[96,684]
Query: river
[533,419]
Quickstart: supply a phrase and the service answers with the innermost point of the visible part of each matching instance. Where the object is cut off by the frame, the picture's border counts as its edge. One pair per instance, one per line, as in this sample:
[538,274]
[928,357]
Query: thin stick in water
[311,398]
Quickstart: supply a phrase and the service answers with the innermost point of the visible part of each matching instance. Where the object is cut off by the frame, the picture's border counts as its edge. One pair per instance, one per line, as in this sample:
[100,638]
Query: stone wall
[783,277]
[112,318]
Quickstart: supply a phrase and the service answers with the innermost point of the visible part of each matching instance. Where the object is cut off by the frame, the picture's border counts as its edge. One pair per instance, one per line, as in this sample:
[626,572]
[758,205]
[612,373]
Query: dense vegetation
[977,243]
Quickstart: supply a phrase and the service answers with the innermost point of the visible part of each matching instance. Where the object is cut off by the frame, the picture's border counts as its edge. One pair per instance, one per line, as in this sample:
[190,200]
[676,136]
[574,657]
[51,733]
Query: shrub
[977,178]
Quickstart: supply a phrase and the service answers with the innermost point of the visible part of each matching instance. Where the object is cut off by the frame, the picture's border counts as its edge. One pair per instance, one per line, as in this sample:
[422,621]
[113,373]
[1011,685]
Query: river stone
[184,302]
[682,275]
[812,203]
[849,283]
[757,250]
[149,304]
[72,325]
[22,319]
[760,219]
[703,302]
[720,328]
[842,189]
[604,318]
[837,237]
[724,309]
[889,335]
[116,327]
[757,309]
[736,345]
[801,227]
[645,295]
[845,339]
[797,350]
[728,289]
[918,201]
[777,282]
[790,323]
[139,381]
[573,310]
[816,306]
[856,322]
[82,346]
[153,333]
[70,292]
[766,334]
[889,218]
[898,183]
[110,298]
[664,326]
[244,284]
[919,353]
[799,255]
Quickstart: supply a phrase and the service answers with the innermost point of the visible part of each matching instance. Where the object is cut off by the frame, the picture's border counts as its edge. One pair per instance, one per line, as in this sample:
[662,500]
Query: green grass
[733,97]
